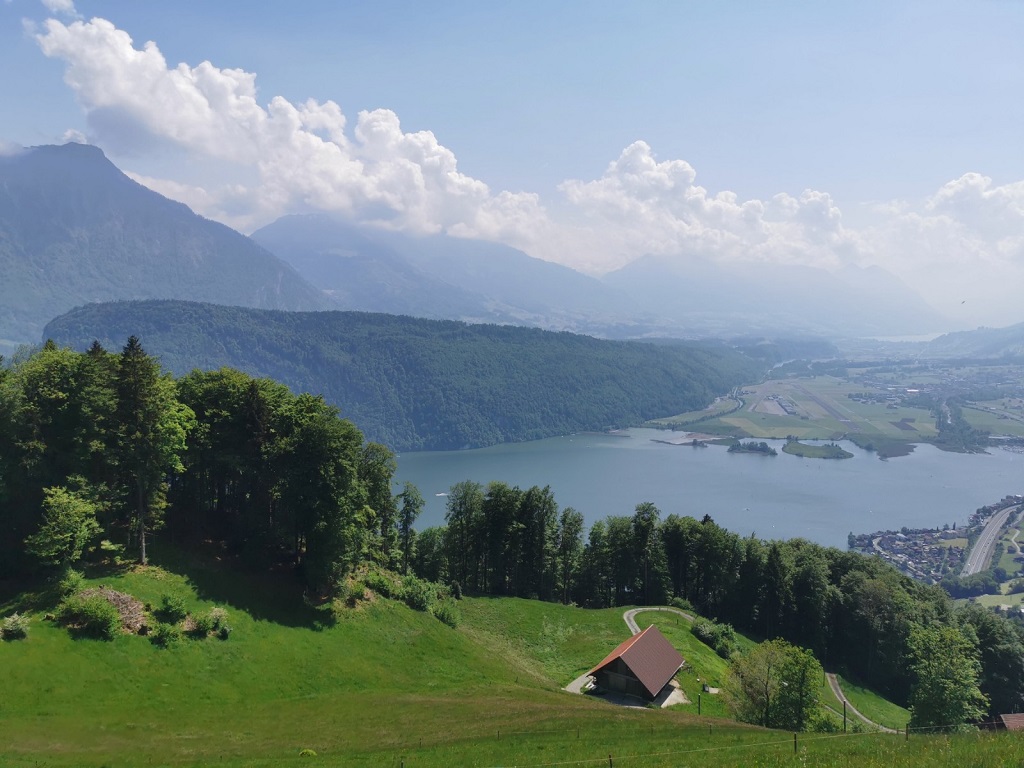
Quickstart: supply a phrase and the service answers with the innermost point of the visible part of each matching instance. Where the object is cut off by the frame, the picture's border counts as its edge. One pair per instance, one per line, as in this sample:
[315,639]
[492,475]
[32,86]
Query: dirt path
[833,683]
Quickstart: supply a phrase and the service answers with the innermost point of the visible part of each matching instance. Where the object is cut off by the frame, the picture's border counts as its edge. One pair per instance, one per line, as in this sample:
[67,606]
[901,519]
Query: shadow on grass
[275,596]
[36,596]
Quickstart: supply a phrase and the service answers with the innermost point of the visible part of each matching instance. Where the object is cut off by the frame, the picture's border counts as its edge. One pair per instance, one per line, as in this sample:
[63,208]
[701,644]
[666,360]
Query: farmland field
[821,408]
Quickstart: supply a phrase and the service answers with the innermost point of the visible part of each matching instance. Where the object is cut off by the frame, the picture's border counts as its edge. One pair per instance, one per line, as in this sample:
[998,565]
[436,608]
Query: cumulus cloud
[965,238]
[963,247]
[641,205]
[305,157]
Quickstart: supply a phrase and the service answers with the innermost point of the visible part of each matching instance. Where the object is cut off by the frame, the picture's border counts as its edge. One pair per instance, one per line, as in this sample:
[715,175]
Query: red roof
[1013,722]
[649,656]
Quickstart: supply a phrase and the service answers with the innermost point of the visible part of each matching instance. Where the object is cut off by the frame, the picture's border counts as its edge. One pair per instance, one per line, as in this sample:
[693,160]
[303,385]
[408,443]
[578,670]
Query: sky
[588,133]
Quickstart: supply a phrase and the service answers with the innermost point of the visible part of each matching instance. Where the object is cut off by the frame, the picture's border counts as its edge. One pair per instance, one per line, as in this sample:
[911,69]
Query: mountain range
[75,230]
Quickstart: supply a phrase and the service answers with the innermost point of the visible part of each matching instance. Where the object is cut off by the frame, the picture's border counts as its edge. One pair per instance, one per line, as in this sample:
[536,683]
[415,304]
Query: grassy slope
[382,685]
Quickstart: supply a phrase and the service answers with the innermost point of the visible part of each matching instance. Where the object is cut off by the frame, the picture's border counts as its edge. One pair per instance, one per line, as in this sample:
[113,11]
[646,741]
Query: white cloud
[73,136]
[641,205]
[966,238]
[303,153]
[62,8]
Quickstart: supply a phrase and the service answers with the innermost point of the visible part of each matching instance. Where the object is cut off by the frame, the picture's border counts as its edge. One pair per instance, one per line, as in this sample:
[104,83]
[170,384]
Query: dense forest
[426,384]
[98,446]
[100,451]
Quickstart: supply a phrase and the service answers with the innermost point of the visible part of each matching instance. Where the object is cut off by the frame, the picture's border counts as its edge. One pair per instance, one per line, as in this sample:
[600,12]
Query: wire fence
[772,741]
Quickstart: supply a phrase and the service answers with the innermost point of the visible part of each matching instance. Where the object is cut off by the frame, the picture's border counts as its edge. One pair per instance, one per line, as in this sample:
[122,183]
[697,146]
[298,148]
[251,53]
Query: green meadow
[378,684]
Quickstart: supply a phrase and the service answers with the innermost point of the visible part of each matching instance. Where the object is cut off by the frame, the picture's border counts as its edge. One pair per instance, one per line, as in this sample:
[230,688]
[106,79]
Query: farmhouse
[641,666]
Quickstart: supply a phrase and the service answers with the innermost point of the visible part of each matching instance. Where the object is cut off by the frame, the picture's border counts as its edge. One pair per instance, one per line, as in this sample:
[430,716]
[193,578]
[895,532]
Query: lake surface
[774,497]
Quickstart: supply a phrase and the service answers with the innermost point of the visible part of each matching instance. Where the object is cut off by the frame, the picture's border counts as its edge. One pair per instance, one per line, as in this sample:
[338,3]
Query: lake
[774,497]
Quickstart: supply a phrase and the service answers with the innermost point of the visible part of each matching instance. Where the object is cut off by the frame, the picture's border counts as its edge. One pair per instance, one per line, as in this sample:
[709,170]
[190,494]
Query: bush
[378,582]
[201,626]
[720,637]
[417,593]
[165,635]
[172,609]
[307,752]
[224,631]
[70,582]
[447,612]
[14,627]
[681,603]
[90,616]
[218,616]
[456,590]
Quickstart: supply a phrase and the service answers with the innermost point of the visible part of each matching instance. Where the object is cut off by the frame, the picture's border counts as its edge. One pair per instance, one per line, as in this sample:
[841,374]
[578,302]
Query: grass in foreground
[381,686]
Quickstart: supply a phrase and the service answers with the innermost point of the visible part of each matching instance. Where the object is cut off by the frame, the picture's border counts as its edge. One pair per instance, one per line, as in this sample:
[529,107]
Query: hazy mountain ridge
[760,297]
[981,342]
[415,383]
[438,276]
[74,229]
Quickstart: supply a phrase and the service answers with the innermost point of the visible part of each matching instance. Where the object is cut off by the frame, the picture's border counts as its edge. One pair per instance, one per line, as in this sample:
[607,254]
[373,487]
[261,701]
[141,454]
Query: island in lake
[762,447]
[826,451]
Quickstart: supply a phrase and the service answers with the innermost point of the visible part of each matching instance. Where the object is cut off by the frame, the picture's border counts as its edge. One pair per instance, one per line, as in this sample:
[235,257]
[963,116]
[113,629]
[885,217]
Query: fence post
[844,715]
[610,763]
[907,732]
[698,703]
[794,743]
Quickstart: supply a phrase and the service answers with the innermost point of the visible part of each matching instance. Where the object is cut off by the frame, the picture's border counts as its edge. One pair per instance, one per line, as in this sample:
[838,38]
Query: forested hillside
[425,384]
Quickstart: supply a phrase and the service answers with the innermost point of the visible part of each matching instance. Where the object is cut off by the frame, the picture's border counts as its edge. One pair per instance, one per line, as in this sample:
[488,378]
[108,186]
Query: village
[930,554]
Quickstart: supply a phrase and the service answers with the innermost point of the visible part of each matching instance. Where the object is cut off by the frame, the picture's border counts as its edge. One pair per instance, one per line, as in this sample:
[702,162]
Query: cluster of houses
[925,554]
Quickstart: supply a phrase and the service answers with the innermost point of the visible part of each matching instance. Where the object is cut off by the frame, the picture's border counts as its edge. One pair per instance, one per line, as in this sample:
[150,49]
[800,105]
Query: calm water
[780,497]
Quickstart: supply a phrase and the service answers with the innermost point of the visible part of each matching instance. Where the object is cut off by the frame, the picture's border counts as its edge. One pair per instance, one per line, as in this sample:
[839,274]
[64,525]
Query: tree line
[100,446]
[856,614]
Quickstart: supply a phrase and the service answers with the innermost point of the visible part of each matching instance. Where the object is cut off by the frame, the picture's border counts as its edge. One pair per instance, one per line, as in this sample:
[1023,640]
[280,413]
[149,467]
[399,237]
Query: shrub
[307,752]
[218,616]
[165,635]
[681,603]
[70,582]
[447,612]
[90,616]
[224,632]
[201,626]
[417,593]
[172,609]
[14,627]
[456,590]
[380,583]
[721,637]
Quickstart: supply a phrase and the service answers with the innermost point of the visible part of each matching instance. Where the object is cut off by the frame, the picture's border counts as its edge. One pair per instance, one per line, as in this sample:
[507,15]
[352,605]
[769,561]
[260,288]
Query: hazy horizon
[587,134]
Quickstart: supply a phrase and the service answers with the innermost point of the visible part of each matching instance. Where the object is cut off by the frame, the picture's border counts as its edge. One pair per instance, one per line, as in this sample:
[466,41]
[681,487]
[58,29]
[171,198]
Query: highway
[981,553]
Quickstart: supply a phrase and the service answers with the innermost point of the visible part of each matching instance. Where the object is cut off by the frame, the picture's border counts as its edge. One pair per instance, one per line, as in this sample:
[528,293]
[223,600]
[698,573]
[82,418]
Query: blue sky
[585,132]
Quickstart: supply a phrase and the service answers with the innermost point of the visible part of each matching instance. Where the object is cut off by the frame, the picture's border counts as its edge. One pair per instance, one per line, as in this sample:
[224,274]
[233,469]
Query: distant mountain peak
[75,229]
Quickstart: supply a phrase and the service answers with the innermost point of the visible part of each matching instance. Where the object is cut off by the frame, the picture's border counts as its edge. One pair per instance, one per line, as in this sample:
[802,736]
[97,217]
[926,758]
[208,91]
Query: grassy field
[872,706]
[1000,417]
[820,408]
[381,685]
